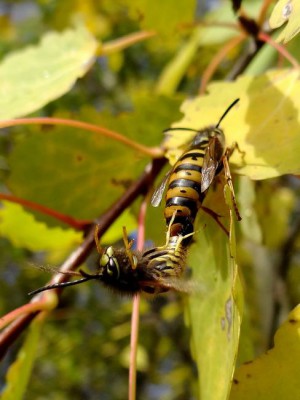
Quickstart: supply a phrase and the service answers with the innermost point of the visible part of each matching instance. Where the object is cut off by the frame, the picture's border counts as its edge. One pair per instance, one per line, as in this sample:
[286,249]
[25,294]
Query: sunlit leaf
[36,75]
[286,11]
[215,315]
[274,375]
[19,372]
[265,123]
[21,228]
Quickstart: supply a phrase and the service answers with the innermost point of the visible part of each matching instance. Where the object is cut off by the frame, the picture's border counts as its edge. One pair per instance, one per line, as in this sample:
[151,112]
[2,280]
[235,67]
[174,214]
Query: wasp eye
[112,267]
[104,260]
[109,251]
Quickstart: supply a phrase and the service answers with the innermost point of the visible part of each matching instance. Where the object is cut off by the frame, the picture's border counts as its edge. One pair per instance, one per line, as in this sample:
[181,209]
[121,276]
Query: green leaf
[34,235]
[34,76]
[274,375]
[219,24]
[164,18]
[19,372]
[81,173]
[286,11]
[215,317]
[275,225]
[176,68]
[250,224]
[265,123]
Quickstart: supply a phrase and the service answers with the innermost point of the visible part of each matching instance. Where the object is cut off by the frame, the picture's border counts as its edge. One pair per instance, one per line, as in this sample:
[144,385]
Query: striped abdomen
[167,261]
[184,195]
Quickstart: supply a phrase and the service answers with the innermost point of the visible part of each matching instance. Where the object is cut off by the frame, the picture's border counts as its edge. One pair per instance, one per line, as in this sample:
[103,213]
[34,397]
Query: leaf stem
[281,49]
[135,319]
[74,223]
[78,256]
[126,41]
[210,70]
[153,152]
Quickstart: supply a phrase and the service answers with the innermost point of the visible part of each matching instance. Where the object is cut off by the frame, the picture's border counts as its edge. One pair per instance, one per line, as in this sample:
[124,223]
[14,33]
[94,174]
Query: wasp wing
[177,284]
[209,167]
[159,191]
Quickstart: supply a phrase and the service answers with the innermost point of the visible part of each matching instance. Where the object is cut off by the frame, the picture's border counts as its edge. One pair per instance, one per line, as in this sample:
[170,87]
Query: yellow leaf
[36,75]
[265,123]
[286,11]
[275,375]
[34,235]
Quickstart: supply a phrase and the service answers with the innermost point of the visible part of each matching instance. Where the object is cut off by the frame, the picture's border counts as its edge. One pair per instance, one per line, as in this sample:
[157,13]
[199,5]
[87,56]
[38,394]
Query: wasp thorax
[109,263]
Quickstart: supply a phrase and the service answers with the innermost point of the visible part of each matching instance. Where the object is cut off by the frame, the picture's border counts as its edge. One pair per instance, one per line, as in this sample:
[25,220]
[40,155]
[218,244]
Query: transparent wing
[158,193]
[210,165]
[181,285]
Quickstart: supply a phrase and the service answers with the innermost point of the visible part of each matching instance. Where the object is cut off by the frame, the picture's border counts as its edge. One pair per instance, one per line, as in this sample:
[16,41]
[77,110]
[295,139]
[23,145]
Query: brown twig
[76,258]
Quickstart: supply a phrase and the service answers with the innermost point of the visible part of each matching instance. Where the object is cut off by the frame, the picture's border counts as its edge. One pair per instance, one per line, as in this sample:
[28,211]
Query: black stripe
[182,183]
[187,167]
[183,202]
[155,252]
[194,155]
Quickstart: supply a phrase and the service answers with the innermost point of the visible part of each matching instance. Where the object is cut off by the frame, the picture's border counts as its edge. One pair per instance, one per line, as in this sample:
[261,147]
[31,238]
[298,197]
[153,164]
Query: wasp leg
[97,241]
[170,226]
[226,156]
[216,217]
[234,146]
[128,244]
[181,238]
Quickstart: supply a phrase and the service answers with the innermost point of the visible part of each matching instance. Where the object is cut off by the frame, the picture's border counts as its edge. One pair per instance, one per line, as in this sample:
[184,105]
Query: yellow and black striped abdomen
[167,261]
[184,195]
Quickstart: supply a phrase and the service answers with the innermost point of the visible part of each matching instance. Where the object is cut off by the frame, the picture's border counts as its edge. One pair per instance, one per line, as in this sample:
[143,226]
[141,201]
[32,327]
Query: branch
[77,257]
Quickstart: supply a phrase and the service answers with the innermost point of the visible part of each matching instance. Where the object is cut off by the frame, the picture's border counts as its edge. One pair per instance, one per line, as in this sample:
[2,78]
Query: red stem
[154,152]
[77,257]
[74,223]
[136,310]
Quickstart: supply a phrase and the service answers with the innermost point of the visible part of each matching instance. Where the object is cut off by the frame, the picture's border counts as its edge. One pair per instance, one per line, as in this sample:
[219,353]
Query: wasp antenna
[97,241]
[227,111]
[59,285]
[128,245]
[180,129]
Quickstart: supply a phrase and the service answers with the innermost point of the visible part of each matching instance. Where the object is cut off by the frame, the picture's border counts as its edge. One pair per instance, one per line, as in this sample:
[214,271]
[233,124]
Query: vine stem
[78,256]
[135,319]
[210,70]
[153,152]
[281,50]
[126,41]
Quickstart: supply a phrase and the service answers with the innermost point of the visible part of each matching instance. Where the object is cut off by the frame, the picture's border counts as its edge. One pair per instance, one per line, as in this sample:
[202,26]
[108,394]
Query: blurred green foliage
[83,349]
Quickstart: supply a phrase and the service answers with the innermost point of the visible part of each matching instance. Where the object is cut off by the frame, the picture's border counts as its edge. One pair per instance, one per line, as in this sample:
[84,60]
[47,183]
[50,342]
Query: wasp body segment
[190,179]
[160,269]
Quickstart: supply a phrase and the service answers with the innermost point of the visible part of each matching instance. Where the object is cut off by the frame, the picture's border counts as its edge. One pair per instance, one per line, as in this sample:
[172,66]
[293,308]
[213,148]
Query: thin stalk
[153,152]
[135,319]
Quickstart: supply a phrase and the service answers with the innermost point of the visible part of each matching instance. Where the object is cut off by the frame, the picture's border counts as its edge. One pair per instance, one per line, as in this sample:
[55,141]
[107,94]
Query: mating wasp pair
[160,268]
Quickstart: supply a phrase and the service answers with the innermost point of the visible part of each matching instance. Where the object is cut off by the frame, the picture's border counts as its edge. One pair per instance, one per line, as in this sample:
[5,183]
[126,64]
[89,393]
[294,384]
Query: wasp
[193,173]
[126,271]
